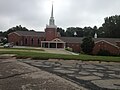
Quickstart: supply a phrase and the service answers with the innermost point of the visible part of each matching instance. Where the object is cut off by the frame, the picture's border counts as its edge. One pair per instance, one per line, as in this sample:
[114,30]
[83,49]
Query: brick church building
[52,39]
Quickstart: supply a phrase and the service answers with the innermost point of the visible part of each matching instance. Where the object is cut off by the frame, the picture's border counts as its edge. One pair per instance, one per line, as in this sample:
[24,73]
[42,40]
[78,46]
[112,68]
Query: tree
[79,31]
[87,45]
[88,31]
[70,32]
[61,31]
[13,29]
[111,26]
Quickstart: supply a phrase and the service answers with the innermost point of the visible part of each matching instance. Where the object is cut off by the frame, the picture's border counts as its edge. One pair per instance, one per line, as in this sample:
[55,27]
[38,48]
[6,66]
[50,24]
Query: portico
[56,43]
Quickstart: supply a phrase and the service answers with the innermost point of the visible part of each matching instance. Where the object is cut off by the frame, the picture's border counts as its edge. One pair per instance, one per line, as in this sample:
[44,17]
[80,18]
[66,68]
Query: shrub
[104,53]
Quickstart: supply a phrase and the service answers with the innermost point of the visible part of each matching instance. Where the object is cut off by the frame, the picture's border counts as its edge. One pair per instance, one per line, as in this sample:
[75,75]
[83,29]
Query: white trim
[58,40]
[108,43]
[51,42]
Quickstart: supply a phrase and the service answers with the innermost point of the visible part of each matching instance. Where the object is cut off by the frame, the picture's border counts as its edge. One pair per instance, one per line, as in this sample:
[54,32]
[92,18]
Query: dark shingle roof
[71,39]
[79,39]
[30,33]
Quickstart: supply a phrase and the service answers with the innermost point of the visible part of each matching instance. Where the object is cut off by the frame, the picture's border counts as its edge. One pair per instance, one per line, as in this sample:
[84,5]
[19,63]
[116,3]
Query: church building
[52,39]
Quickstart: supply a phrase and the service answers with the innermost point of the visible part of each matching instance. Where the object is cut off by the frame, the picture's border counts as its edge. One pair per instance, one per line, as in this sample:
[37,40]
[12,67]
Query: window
[32,41]
[38,41]
[26,41]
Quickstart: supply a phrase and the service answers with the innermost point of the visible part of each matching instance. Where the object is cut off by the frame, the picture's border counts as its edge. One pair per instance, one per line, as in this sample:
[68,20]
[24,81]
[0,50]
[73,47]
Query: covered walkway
[55,43]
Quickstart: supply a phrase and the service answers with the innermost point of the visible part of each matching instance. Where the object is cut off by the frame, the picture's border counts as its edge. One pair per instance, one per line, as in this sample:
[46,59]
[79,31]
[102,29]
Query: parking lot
[90,75]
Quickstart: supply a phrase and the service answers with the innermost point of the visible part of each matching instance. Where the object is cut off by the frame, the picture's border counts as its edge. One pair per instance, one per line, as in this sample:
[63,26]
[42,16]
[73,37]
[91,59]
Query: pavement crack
[17,74]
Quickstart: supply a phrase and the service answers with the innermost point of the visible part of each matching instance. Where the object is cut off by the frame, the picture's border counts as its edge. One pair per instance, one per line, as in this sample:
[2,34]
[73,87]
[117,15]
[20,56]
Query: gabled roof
[71,39]
[57,40]
[79,39]
[108,43]
[111,40]
[30,33]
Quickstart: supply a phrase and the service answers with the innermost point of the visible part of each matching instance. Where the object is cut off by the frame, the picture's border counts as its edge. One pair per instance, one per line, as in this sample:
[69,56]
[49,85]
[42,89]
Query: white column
[56,45]
[64,45]
[41,44]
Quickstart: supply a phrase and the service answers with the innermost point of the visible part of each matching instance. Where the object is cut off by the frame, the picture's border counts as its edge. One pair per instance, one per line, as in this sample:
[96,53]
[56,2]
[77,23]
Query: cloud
[34,14]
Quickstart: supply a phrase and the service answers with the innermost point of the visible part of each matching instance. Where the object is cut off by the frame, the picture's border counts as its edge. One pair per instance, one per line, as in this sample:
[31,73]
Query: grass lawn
[38,54]
[20,49]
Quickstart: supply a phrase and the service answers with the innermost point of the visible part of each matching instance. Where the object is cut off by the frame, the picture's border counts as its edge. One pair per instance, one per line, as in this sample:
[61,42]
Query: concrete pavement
[90,75]
[16,75]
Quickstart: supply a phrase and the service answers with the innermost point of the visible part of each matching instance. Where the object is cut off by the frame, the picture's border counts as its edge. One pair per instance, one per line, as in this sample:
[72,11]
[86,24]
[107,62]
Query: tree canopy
[87,45]
[13,29]
[111,27]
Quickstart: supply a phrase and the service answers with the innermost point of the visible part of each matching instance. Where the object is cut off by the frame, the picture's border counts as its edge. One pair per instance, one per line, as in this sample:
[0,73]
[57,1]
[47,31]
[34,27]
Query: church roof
[71,39]
[79,39]
[30,33]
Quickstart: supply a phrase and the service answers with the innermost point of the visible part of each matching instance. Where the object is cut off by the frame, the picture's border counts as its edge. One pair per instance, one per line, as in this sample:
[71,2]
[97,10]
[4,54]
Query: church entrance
[56,43]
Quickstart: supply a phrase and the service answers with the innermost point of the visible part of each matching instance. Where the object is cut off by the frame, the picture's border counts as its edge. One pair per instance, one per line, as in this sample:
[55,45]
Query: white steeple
[51,20]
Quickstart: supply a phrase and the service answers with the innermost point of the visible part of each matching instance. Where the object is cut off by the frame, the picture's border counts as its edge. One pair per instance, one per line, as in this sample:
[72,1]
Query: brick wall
[24,40]
[15,38]
[106,46]
[74,46]
[50,33]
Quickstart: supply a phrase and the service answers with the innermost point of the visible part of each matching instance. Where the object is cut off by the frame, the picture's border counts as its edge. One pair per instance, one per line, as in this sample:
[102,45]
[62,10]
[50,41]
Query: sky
[35,14]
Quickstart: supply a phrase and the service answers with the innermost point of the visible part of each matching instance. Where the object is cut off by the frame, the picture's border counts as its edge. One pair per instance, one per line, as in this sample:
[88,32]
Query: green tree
[61,31]
[79,31]
[87,45]
[88,31]
[111,26]
[70,32]
[101,32]
[13,29]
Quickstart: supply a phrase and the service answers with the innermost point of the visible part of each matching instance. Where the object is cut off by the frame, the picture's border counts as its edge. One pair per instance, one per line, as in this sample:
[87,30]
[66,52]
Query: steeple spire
[52,10]
[51,21]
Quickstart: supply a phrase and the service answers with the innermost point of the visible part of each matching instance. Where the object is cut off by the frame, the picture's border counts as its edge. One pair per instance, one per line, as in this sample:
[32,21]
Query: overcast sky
[34,14]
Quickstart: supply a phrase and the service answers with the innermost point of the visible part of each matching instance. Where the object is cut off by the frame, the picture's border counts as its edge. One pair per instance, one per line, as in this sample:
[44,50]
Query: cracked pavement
[53,74]
[16,75]
[90,75]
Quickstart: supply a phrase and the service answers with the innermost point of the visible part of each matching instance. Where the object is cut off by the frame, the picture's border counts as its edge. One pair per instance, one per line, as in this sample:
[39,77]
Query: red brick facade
[15,38]
[50,34]
[24,40]
[104,45]
[75,47]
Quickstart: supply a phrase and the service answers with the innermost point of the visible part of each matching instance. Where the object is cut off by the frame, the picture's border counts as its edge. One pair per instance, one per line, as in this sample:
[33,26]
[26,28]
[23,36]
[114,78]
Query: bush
[104,53]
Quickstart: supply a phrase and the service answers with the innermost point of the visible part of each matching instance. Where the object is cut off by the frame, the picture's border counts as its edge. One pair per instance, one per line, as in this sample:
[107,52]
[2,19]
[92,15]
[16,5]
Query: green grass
[15,49]
[39,55]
